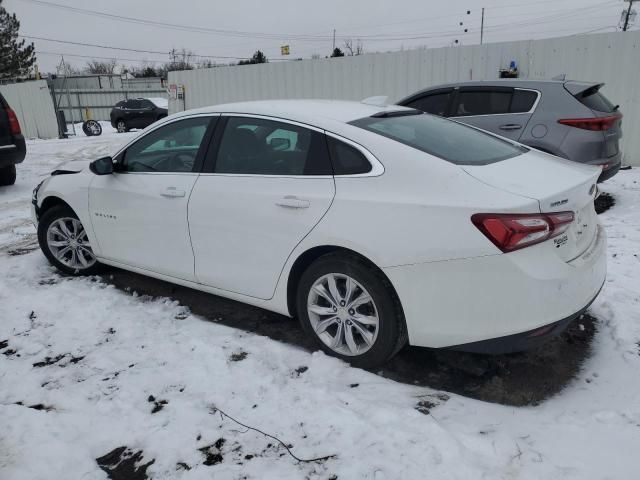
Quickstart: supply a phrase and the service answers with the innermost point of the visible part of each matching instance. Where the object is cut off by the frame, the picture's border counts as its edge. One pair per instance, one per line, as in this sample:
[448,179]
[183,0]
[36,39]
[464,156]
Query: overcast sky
[306,26]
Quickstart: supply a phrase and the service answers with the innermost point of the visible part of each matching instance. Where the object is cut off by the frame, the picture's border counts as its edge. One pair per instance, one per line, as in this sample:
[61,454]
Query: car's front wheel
[64,241]
[349,308]
[121,126]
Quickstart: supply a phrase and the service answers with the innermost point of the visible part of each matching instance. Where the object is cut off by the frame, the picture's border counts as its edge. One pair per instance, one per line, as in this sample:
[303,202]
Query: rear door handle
[510,126]
[173,192]
[291,201]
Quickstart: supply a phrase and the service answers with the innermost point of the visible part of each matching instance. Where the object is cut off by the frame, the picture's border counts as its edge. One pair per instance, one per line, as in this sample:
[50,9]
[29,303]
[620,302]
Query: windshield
[446,139]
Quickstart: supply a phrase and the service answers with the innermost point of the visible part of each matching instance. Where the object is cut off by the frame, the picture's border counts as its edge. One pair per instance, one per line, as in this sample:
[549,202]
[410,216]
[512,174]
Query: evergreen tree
[337,53]
[16,57]
[257,57]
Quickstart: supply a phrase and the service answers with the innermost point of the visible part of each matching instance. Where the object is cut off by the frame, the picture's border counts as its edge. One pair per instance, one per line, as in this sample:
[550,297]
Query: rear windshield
[446,139]
[593,99]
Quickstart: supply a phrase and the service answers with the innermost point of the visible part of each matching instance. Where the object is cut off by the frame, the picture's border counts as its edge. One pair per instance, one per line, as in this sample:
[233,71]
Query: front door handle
[510,126]
[291,201]
[173,192]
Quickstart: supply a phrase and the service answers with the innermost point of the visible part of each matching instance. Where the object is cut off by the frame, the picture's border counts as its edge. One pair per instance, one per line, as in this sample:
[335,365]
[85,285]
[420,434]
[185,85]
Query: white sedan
[375,226]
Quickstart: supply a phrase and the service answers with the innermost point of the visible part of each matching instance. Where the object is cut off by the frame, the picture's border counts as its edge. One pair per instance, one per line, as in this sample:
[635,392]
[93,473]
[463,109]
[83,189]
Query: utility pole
[334,39]
[482,26]
[627,16]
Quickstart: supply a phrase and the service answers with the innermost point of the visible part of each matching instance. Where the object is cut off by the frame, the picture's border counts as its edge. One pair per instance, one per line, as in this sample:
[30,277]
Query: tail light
[511,232]
[14,124]
[597,124]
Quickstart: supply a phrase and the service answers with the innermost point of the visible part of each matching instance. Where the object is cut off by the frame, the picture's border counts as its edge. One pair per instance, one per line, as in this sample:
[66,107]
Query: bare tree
[101,68]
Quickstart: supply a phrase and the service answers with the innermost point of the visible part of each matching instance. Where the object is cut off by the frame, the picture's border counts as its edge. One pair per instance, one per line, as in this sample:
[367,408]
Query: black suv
[12,146]
[136,113]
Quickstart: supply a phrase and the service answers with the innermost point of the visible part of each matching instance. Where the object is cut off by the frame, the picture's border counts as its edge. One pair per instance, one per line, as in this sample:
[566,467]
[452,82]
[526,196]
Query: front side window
[436,104]
[256,146]
[482,102]
[451,141]
[171,148]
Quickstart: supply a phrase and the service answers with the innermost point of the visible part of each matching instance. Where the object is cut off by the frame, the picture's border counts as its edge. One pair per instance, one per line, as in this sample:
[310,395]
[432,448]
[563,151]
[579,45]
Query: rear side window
[451,141]
[593,99]
[255,146]
[346,159]
[523,101]
[436,104]
[482,102]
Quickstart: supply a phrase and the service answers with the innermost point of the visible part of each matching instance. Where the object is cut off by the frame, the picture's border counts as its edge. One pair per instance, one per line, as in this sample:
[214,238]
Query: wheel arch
[50,202]
[306,258]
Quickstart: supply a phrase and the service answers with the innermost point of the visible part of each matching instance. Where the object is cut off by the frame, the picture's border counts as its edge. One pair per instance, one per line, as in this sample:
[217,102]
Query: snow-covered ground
[97,363]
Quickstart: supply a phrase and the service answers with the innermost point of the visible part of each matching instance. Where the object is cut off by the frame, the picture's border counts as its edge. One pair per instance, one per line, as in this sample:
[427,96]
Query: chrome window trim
[377,168]
[160,124]
[530,111]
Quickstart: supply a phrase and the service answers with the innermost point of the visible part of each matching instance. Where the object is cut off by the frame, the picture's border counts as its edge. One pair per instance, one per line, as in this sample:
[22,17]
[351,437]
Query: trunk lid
[558,185]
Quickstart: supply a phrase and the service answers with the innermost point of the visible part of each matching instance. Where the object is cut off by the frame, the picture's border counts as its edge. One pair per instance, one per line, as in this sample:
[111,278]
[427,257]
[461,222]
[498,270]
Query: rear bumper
[467,301]
[14,153]
[522,341]
[612,165]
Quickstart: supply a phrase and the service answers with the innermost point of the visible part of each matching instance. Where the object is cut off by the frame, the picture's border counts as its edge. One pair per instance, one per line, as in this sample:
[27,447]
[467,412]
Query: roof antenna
[562,77]
[378,101]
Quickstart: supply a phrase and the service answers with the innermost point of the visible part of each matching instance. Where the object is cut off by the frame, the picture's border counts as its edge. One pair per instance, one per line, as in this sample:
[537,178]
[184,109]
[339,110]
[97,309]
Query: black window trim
[205,145]
[209,162]
[493,88]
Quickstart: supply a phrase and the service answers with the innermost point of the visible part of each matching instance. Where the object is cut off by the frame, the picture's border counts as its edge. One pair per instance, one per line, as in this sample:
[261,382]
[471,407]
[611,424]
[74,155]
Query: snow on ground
[96,363]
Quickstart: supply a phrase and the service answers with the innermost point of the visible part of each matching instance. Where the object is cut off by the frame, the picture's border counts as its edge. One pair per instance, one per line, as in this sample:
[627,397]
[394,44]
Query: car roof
[321,113]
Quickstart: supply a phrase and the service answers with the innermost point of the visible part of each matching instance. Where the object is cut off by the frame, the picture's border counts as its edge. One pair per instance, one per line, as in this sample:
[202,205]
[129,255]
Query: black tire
[7,175]
[392,331]
[49,217]
[91,128]
[121,126]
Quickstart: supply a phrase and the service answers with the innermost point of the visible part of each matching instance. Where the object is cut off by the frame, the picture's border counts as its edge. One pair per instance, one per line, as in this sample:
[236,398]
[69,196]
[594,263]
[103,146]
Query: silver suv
[569,119]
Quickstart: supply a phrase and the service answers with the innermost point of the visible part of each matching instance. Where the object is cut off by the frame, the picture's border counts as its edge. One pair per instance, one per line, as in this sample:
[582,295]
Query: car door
[139,213]
[147,113]
[499,110]
[133,114]
[263,189]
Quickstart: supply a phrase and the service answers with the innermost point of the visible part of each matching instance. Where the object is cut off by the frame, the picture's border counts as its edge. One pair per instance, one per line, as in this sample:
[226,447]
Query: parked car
[137,113]
[569,119]
[12,144]
[375,226]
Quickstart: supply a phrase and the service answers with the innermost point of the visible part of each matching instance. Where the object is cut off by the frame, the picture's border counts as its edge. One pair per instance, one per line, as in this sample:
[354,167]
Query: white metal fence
[33,105]
[80,104]
[613,58]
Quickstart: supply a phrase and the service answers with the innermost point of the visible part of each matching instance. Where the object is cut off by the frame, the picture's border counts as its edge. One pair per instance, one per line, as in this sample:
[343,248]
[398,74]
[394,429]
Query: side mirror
[280,143]
[102,166]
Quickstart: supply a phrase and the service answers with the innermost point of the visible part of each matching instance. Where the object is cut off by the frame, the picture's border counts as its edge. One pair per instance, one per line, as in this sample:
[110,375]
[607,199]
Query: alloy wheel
[121,126]
[68,242]
[343,314]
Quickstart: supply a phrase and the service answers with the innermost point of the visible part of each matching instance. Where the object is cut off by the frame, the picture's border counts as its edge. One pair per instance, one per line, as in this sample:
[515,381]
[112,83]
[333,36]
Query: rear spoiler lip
[576,88]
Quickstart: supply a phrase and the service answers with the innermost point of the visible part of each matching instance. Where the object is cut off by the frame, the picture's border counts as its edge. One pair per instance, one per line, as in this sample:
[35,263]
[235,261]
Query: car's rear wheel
[121,126]
[350,310]
[65,242]
[8,175]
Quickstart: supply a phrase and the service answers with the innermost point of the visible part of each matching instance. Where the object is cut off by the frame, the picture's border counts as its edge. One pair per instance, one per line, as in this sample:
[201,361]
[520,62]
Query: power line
[283,36]
[84,44]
